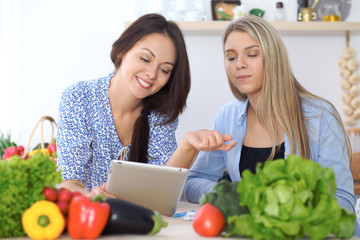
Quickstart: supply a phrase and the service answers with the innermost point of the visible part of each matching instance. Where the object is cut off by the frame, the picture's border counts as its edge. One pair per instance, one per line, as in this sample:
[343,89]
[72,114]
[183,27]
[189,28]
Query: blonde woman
[272,117]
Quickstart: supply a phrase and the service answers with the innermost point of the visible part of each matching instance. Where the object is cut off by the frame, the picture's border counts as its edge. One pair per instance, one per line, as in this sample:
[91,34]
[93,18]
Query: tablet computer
[158,188]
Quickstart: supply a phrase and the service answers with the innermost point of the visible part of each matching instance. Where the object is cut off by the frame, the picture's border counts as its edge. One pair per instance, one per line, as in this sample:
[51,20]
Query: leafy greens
[286,199]
[21,184]
[290,199]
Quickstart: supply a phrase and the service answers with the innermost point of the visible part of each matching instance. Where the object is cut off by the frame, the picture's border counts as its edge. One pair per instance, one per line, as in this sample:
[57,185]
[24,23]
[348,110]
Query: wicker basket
[53,125]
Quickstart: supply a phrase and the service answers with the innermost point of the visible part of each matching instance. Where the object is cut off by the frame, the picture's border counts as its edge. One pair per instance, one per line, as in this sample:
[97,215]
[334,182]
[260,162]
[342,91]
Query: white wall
[47,45]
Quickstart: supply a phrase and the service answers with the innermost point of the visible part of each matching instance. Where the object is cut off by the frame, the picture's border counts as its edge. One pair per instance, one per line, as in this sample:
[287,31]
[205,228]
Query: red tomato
[20,148]
[209,221]
[64,195]
[64,207]
[50,194]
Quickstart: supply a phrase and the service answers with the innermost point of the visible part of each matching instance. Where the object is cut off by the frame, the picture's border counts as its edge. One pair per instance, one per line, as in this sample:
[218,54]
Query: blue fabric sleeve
[332,153]
[73,138]
[206,171]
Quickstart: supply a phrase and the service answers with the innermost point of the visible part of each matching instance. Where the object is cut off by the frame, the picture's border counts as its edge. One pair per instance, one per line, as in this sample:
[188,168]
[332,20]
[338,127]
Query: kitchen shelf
[285,28]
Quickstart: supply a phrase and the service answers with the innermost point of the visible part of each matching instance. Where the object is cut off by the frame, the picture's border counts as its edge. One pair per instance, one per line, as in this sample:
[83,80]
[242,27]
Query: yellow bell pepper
[33,152]
[43,220]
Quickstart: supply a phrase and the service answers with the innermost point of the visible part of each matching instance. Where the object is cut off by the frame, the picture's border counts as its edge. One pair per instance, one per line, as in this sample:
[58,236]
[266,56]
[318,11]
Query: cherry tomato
[208,221]
[64,195]
[50,194]
[20,148]
[64,207]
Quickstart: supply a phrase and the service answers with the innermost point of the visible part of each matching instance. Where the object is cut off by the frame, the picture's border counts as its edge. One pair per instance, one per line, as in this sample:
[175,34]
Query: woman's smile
[143,83]
[147,66]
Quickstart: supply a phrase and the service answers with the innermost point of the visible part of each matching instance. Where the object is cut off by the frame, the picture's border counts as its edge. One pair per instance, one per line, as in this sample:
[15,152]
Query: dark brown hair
[170,100]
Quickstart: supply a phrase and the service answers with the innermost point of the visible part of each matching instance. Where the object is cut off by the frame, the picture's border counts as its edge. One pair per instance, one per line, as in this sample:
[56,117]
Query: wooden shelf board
[287,28]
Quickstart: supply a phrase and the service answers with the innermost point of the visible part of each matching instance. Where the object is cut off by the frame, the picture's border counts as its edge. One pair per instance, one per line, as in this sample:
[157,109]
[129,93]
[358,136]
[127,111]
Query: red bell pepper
[87,218]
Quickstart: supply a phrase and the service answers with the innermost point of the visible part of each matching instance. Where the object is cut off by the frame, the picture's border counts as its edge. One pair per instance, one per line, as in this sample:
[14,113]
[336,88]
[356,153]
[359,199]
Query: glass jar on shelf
[329,11]
[279,14]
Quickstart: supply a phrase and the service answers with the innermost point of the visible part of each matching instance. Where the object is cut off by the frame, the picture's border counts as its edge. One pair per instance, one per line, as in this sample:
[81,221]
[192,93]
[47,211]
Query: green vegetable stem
[21,184]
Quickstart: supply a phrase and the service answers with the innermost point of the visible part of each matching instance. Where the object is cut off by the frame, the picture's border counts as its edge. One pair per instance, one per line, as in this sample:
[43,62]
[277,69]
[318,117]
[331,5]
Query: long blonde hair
[281,95]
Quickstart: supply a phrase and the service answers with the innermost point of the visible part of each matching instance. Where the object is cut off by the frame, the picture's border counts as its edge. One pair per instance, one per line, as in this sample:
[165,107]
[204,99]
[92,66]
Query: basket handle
[42,119]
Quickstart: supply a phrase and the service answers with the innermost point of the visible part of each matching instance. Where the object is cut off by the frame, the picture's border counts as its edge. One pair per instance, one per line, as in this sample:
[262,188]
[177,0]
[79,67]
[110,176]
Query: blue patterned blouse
[86,137]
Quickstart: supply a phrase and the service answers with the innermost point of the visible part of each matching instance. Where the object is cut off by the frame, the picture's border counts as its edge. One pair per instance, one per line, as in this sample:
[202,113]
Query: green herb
[226,198]
[290,199]
[22,183]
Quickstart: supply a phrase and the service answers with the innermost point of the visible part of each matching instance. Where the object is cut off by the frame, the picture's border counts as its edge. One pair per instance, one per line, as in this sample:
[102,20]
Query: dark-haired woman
[131,114]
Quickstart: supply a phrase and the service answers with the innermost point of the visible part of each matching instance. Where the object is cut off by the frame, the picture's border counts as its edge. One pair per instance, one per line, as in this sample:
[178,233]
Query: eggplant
[129,218]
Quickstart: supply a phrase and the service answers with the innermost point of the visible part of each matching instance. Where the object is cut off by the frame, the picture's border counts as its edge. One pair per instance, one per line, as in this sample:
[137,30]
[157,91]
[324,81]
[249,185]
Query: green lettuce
[21,184]
[290,199]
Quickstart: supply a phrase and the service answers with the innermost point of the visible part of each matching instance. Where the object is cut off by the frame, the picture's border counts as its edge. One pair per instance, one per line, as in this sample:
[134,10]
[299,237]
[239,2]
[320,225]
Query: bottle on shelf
[279,14]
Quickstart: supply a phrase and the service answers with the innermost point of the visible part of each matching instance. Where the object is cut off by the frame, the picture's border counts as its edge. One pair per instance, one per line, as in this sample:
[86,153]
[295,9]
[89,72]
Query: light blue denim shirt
[326,141]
